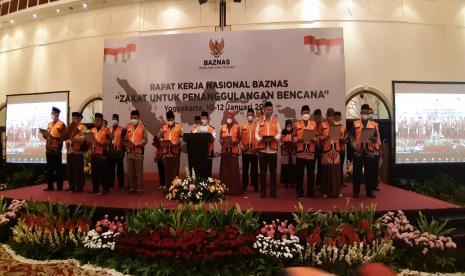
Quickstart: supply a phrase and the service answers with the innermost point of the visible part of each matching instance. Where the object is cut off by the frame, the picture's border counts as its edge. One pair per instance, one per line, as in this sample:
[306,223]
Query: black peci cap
[365,107]
[76,114]
[169,114]
[305,108]
[56,110]
[135,113]
[98,115]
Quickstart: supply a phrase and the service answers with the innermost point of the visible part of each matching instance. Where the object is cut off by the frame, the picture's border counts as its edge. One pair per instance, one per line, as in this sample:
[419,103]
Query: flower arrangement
[278,240]
[399,228]
[192,189]
[198,245]
[11,211]
[104,234]
[42,231]
[3,186]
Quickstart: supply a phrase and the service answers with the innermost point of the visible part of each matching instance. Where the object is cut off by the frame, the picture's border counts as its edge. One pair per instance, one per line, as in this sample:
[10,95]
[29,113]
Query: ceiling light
[84,5]
[34,15]
[57,10]
[12,21]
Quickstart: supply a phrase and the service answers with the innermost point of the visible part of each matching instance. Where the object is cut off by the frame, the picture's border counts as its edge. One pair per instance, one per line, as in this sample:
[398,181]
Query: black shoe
[69,190]
[93,192]
[255,190]
[376,189]
[371,196]
[273,196]
[355,196]
[105,192]
[299,196]
[48,190]
[311,195]
[60,189]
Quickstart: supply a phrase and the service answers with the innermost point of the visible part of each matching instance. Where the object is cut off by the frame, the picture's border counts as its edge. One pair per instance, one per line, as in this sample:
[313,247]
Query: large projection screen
[25,115]
[429,122]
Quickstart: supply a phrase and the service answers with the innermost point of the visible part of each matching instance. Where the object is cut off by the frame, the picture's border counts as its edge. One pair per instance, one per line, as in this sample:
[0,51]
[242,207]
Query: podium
[197,152]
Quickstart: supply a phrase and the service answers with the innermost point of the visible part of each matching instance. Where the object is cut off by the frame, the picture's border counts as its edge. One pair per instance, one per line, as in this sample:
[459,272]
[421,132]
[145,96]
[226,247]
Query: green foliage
[3,205]
[433,227]
[188,217]
[60,212]
[442,186]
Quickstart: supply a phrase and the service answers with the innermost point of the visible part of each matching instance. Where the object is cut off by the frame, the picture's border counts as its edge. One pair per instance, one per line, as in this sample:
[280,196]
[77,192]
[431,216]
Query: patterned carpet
[14,265]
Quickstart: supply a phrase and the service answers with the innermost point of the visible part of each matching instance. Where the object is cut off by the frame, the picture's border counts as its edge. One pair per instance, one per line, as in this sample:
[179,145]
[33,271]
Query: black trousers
[374,175]
[54,170]
[116,164]
[76,171]
[250,161]
[369,163]
[161,172]
[268,160]
[99,166]
[301,165]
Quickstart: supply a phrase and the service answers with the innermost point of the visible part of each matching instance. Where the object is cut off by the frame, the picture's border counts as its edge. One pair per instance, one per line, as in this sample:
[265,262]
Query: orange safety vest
[117,135]
[370,147]
[55,141]
[285,150]
[136,136]
[248,140]
[77,146]
[343,135]
[174,136]
[234,133]
[299,133]
[211,147]
[263,126]
[101,137]
[326,144]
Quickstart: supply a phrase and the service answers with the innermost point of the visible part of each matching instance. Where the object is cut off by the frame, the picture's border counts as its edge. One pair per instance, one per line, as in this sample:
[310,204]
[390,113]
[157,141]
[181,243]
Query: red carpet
[389,198]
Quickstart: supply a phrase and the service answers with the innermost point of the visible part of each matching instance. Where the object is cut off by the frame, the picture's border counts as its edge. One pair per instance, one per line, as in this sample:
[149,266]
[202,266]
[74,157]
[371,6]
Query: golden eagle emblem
[216,48]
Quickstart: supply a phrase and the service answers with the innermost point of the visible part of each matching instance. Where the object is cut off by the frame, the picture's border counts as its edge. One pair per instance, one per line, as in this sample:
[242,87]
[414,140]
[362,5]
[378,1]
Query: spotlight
[12,21]
[202,1]
[34,15]
[84,5]
[57,10]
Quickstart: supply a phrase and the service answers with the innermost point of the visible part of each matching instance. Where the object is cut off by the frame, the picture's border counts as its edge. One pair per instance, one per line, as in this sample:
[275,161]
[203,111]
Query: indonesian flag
[320,45]
[114,55]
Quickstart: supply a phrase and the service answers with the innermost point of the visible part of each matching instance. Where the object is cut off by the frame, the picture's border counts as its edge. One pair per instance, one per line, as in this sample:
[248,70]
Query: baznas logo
[216,48]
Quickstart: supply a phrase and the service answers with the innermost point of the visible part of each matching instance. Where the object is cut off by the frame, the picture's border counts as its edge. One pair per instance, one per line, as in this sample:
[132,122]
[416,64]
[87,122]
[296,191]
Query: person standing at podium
[229,167]
[136,134]
[268,134]
[249,152]
[205,127]
[53,147]
[196,123]
[171,138]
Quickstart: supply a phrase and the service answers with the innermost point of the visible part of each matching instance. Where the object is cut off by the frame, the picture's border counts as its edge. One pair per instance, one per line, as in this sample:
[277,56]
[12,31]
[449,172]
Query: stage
[389,198]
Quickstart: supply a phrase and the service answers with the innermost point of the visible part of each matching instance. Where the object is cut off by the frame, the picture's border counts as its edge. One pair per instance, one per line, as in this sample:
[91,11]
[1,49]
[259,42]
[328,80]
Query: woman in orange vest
[288,155]
[229,168]
[249,152]
[330,172]
[99,151]
[171,137]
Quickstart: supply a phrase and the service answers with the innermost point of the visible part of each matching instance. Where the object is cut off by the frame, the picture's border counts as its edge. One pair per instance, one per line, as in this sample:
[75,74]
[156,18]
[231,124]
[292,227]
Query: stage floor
[389,198]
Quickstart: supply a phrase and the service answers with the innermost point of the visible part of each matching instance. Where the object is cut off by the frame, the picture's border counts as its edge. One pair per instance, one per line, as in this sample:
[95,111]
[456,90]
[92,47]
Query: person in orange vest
[229,167]
[268,135]
[99,157]
[205,127]
[136,134]
[365,154]
[53,148]
[171,131]
[342,144]
[249,152]
[75,154]
[305,153]
[330,172]
[288,155]
[378,156]
[116,156]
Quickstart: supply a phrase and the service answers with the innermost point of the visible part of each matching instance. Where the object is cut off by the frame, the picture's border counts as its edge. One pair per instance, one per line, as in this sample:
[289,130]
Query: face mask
[250,118]
[204,121]
[134,121]
[229,121]
[289,129]
[170,123]
[53,117]
[337,122]
[268,114]
[364,117]
[306,117]
[370,117]
[114,122]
